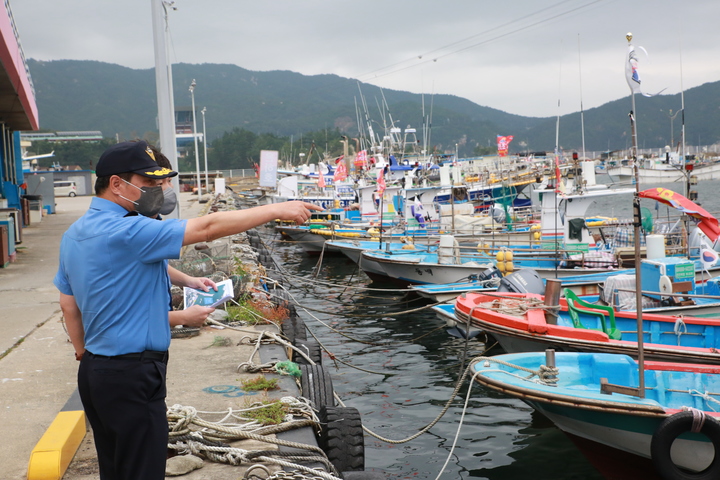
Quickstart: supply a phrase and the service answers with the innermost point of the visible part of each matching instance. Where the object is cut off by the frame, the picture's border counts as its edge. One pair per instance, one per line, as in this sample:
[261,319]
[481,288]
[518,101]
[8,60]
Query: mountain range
[119,101]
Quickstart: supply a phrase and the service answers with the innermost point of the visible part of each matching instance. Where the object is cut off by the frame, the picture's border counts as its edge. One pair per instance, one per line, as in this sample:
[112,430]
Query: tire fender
[341,437]
[662,441]
[316,385]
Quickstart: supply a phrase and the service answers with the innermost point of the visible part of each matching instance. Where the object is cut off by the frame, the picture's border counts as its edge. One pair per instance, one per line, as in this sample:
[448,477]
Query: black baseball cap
[135,157]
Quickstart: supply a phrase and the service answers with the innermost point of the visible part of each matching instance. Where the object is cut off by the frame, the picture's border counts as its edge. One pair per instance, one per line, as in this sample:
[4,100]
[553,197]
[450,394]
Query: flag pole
[637,221]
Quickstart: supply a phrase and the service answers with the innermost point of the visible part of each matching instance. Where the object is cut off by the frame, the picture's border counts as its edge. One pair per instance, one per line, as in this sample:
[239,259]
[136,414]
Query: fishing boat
[585,285]
[596,392]
[518,322]
[668,168]
[671,430]
[450,264]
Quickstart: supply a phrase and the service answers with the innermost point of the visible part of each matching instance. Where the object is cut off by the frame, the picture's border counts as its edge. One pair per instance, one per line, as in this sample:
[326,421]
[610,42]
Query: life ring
[663,438]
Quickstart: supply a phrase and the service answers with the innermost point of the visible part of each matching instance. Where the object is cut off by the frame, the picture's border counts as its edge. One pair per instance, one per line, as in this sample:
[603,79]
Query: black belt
[146,355]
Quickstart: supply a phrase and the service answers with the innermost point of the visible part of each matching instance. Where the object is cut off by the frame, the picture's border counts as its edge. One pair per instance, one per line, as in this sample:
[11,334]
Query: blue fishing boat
[669,429]
[589,284]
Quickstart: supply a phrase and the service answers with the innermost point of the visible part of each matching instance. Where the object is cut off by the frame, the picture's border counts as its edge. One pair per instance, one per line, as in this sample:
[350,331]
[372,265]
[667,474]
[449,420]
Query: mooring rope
[308,310]
[548,373]
[330,284]
[181,417]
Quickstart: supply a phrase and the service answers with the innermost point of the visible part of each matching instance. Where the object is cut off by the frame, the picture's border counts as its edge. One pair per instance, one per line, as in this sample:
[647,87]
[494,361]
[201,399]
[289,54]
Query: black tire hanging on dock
[341,437]
[300,331]
[288,329]
[664,437]
[282,298]
[316,385]
[310,348]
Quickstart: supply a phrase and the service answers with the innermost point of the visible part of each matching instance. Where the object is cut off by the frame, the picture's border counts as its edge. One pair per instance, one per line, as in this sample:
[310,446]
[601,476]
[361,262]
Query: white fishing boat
[670,168]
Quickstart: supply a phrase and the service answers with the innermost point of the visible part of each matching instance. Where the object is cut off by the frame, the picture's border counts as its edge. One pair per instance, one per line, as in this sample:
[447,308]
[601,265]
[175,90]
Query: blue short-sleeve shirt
[116,268]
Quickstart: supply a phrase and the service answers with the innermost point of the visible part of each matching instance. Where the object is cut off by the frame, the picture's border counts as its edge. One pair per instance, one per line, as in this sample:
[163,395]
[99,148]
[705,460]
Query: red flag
[340,172]
[337,160]
[503,143]
[558,176]
[381,181]
[708,224]
[321,180]
[361,159]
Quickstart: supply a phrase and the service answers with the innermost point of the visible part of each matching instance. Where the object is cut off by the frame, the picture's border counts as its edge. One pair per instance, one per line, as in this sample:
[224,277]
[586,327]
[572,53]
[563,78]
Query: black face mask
[150,201]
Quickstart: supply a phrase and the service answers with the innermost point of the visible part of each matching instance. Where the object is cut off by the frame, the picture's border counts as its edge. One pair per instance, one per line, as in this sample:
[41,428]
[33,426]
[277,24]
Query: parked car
[65,188]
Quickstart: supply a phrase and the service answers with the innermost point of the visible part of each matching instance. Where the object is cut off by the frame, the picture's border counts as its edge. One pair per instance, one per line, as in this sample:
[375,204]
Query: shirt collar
[104,205]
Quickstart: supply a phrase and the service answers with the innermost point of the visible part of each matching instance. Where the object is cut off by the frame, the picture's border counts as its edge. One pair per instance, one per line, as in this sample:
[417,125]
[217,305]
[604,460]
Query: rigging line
[506,24]
[322,282]
[523,28]
[342,333]
[353,303]
[360,315]
[329,284]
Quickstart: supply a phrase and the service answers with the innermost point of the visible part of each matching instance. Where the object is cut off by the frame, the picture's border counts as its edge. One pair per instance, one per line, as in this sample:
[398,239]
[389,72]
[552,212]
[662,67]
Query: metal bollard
[550,360]
[552,298]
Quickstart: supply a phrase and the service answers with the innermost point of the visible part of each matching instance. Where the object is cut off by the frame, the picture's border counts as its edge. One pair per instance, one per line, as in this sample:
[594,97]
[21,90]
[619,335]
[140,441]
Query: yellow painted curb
[56,448]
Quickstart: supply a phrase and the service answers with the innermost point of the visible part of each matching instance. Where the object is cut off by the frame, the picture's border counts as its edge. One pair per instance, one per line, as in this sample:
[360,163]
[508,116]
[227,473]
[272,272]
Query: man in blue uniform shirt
[114,293]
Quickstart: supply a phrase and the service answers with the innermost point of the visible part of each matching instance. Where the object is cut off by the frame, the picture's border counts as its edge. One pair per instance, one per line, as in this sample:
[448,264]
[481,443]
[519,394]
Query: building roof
[18,108]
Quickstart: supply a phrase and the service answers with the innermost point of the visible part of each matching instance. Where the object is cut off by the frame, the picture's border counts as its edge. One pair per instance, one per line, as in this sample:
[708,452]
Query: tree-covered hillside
[121,102]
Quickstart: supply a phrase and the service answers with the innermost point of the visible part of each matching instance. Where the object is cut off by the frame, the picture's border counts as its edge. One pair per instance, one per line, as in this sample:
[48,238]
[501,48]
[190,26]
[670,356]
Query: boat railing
[565,258]
[682,295]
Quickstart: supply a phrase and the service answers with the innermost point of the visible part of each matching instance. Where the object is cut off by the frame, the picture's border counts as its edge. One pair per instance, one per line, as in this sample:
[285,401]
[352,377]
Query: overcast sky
[520,56]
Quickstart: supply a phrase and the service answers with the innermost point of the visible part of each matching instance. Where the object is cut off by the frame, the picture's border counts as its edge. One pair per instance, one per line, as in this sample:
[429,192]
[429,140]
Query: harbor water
[400,367]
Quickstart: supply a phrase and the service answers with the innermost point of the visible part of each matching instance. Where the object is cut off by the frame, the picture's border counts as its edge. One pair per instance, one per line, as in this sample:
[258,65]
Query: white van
[65,188]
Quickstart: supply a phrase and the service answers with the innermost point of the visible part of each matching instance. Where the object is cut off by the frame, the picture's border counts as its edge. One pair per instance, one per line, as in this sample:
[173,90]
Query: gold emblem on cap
[162,171]
[150,153]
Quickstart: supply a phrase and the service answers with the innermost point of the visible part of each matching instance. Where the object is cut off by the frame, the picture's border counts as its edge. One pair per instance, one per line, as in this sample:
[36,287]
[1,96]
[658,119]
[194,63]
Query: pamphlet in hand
[211,298]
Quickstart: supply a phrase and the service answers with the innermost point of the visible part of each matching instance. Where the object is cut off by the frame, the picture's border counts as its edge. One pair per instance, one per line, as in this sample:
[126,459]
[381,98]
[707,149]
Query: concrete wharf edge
[40,341]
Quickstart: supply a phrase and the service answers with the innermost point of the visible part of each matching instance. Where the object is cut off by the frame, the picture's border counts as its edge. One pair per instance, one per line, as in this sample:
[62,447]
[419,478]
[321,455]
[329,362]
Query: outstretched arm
[221,224]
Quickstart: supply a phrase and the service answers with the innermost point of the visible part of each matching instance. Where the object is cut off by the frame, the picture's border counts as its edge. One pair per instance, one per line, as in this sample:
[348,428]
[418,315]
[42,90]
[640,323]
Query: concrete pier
[41,413]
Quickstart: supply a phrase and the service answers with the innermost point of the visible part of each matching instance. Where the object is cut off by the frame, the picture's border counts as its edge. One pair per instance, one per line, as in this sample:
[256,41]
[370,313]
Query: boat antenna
[429,126]
[682,134]
[368,124]
[582,112]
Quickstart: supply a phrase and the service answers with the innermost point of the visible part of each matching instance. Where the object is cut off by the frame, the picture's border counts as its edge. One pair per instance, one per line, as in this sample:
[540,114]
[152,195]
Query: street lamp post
[197,157]
[207,184]
[672,125]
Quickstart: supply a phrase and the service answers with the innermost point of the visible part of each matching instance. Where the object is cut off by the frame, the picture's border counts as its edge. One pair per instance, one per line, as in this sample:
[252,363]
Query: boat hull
[665,339]
[577,405]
